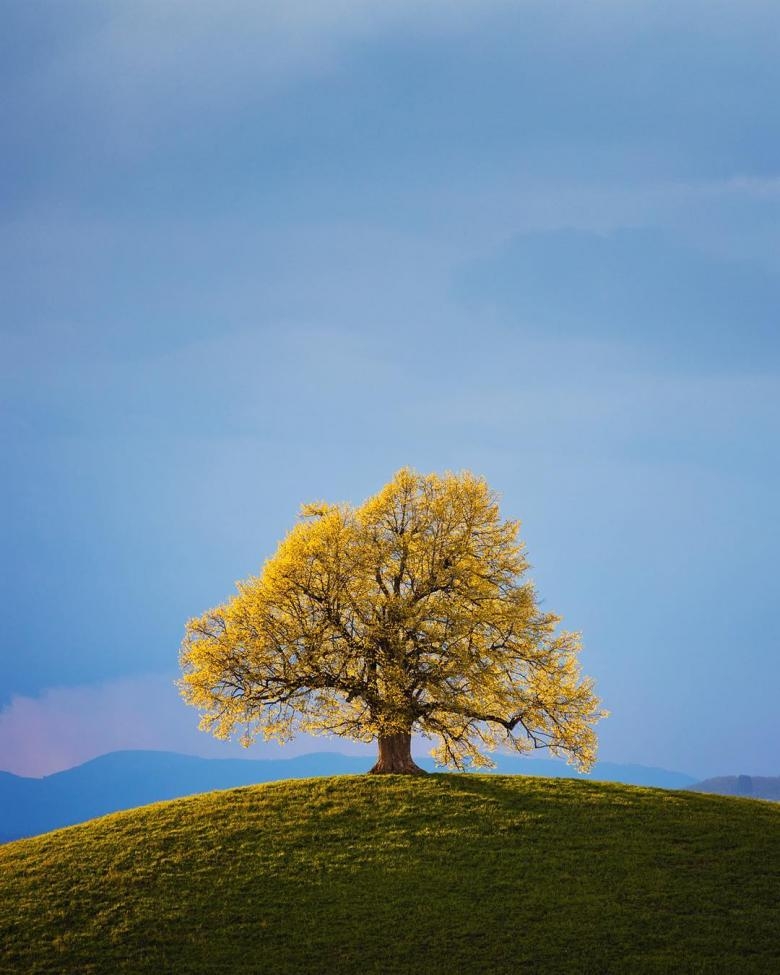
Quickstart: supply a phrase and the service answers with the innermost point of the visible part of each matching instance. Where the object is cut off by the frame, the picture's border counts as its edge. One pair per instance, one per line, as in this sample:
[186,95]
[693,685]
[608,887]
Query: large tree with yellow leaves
[410,613]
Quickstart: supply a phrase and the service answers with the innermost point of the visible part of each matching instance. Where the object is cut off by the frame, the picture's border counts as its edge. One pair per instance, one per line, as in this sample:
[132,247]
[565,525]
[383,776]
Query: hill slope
[455,874]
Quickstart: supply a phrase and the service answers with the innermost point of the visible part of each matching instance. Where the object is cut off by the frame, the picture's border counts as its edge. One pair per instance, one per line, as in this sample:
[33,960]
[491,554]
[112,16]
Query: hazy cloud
[65,726]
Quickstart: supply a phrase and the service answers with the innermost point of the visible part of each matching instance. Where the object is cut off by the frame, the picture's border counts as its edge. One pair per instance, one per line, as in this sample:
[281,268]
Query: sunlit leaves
[411,611]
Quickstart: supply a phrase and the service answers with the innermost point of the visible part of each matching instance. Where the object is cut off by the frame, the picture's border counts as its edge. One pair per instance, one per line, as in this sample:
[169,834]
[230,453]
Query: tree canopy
[410,613]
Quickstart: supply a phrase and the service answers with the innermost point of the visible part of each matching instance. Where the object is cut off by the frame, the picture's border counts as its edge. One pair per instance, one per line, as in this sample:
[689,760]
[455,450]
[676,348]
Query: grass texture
[432,874]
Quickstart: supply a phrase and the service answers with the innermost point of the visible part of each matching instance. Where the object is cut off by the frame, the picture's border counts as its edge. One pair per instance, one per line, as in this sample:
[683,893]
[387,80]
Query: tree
[408,613]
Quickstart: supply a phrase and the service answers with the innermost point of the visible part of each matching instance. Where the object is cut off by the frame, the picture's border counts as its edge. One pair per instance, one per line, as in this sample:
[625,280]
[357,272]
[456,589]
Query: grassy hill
[442,874]
[124,780]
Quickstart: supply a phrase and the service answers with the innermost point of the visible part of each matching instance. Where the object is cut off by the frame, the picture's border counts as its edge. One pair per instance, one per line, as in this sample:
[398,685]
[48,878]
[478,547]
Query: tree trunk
[395,756]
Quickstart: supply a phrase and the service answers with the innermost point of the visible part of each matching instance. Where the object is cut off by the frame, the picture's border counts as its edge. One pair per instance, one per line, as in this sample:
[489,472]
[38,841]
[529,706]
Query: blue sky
[256,254]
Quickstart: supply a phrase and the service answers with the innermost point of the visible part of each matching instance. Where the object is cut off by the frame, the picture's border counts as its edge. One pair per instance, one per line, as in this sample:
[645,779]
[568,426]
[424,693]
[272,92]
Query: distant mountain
[753,786]
[124,780]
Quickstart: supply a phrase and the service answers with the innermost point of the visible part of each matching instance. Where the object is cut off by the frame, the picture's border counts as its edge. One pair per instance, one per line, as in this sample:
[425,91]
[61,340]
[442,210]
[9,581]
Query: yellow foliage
[410,612]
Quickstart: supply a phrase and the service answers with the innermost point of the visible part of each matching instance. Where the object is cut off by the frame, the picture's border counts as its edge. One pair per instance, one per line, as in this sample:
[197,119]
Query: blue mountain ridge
[123,780]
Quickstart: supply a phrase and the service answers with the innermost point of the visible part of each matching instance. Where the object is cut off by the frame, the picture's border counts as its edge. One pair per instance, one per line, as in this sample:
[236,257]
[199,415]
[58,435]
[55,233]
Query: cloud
[64,726]
[644,287]
[140,67]
[360,87]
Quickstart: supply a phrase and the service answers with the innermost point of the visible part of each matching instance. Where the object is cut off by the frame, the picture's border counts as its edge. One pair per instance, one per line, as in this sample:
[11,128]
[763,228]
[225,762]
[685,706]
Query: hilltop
[124,780]
[444,874]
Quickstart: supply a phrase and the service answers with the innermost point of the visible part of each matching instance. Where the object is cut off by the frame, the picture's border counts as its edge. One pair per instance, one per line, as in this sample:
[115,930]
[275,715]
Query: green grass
[437,874]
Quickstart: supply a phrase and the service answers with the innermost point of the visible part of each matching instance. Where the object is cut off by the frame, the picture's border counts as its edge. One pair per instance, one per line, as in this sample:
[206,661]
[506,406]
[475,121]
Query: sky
[255,254]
